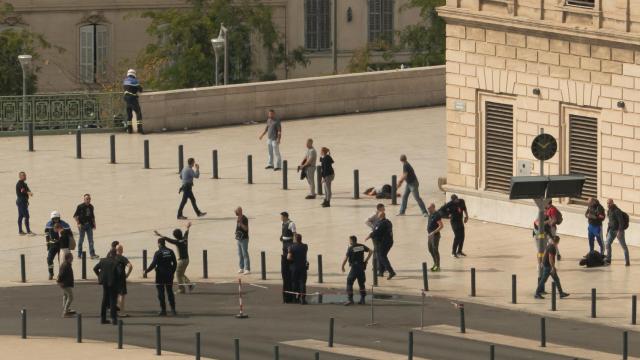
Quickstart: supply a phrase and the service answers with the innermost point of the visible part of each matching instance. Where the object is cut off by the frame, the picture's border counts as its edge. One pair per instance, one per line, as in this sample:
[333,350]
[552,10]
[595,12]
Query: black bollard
[473,281]
[23,269]
[317,356]
[394,190]
[144,263]
[319,269]
[320,299]
[543,332]
[197,346]
[236,345]
[276,352]
[78,327]
[249,169]
[146,154]
[158,341]
[285,177]
[553,296]
[331,322]
[593,303]
[463,327]
[214,155]
[492,352]
[319,180]
[120,334]
[78,144]
[23,314]
[84,265]
[410,350]
[375,271]
[625,345]
[31,136]
[356,184]
[205,265]
[180,158]
[425,278]
[112,148]
[634,302]
[514,291]
[263,265]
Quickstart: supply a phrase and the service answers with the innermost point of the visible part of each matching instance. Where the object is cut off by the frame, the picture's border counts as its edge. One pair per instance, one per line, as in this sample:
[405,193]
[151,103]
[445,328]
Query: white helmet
[55,214]
[131,72]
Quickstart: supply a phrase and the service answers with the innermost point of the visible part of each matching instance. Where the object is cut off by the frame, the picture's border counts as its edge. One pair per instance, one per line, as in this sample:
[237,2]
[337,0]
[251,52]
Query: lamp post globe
[217,44]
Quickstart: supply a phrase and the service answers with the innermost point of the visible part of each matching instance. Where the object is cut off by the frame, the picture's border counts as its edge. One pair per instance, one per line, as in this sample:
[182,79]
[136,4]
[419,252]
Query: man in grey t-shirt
[308,165]
[273,130]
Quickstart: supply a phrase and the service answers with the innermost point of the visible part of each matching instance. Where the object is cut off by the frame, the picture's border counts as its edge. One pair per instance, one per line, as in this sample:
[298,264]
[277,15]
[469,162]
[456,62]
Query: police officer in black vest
[165,264]
[355,257]
[288,234]
[298,266]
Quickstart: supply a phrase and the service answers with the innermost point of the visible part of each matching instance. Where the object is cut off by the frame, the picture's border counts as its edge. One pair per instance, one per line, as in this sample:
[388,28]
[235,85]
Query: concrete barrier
[293,99]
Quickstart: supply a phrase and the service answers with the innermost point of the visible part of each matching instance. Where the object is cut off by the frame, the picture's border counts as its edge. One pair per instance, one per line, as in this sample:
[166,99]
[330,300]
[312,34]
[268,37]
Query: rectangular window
[317,35]
[381,21]
[583,3]
[94,44]
[583,152]
[498,146]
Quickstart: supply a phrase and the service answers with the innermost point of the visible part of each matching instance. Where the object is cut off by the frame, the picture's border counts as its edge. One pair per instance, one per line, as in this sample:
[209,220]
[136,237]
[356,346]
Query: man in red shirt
[551,214]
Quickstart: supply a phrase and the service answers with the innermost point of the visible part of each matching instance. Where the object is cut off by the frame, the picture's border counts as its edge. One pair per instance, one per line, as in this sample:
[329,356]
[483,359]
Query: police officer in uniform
[52,238]
[165,264]
[298,267]
[288,234]
[358,264]
[132,87]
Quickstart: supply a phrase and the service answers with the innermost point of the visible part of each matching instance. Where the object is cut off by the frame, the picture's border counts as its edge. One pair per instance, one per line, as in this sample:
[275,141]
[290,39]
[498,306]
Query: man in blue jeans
[549,269]
[86,220]
[595,215]
[23,193]
[242,237]
[413,186]
[616,230]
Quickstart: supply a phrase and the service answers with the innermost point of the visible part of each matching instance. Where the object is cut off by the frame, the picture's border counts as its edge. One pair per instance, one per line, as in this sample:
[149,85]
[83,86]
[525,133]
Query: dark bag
[559,218]
[385,192]
[625,220]
[592,259]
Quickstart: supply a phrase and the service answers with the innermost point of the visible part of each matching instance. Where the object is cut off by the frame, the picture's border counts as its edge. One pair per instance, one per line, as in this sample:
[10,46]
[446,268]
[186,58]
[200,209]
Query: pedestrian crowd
[114,269]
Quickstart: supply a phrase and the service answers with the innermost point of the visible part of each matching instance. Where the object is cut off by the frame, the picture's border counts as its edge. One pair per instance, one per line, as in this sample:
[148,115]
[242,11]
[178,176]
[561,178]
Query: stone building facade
[106,36]
[570,67]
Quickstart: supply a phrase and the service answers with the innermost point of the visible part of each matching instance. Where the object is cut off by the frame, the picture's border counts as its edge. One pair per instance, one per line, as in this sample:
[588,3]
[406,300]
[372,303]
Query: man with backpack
[618,223]
[553,218]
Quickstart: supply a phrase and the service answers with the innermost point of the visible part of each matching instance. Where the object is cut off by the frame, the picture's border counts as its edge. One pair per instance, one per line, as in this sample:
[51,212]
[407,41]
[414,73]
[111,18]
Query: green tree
[14,42]
[182,55]
[426,39]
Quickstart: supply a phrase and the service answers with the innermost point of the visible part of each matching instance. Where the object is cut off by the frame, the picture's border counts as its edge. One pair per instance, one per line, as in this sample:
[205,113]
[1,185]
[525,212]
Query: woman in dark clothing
[326,171]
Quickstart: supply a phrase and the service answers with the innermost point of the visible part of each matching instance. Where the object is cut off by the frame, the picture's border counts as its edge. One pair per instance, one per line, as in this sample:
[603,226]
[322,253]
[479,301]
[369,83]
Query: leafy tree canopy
[426,39]
[183,57]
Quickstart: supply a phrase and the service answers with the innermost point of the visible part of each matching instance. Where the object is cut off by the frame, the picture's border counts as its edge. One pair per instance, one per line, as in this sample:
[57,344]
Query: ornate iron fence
[63,111]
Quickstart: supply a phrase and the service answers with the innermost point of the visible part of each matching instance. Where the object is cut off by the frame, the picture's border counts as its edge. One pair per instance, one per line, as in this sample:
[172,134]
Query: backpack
[625,220]
[559,218]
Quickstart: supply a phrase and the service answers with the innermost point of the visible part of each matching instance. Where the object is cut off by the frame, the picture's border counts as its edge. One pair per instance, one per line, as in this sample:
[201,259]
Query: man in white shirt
[308,165]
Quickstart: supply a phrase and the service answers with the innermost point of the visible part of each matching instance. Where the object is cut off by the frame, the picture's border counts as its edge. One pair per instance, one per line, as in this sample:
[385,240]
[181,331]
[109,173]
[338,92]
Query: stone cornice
[539,27]
[35,6]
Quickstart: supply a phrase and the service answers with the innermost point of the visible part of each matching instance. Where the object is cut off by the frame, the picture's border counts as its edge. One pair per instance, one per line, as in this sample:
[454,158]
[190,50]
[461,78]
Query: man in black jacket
[595,215]
[23,193]
[382,236]
[181,242]
[66,282]
[297,257]
[107,272]
[456,210]
[616,230]
[86,221]
[165,264]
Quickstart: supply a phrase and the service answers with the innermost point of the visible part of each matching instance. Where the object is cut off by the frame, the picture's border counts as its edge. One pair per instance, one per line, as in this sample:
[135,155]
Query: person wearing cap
[456,210]
[52,239]
[288,234]
[132,87]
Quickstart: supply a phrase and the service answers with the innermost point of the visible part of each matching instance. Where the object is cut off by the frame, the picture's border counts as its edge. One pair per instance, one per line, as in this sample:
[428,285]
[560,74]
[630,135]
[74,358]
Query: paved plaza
[131,202]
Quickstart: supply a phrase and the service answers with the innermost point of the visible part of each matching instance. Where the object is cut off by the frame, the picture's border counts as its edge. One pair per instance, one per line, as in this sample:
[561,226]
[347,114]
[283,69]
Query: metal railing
[62,112]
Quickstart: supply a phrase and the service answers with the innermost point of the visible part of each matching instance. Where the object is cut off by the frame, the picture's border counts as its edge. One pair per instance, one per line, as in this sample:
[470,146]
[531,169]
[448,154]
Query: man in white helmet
[132,87]
[52,238]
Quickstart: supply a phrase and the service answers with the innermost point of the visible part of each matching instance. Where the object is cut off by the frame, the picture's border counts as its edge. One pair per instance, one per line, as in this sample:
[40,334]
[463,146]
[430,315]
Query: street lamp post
[25,61]
[218,43]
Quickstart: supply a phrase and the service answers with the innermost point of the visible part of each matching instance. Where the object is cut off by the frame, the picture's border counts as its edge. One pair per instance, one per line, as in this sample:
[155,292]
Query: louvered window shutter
[498,146]
[583,152]
[585,3]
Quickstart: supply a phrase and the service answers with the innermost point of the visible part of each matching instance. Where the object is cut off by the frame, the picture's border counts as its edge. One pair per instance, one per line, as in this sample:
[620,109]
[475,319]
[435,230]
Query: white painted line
[520,343]
[258,286]
[347,350]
